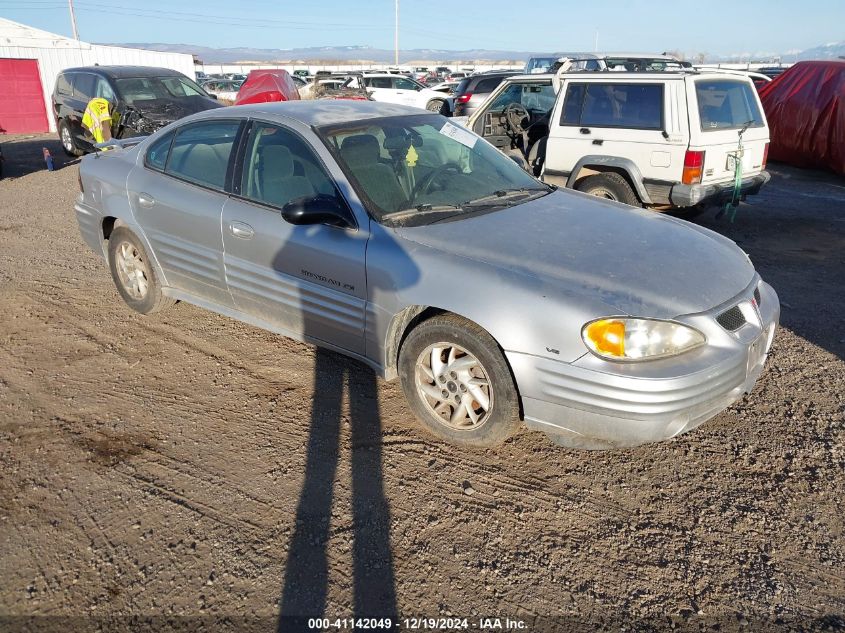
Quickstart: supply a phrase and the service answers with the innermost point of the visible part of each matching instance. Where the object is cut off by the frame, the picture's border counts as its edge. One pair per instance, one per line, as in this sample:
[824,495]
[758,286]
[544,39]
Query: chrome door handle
[241,230]
[146,200]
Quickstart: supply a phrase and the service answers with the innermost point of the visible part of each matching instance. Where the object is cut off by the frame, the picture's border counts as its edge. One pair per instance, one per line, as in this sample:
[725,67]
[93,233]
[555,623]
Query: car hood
[164,111]
[640,262]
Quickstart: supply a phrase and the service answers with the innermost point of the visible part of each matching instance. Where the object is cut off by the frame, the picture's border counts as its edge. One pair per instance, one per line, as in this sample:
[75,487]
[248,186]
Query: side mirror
[319,209]
[211,96]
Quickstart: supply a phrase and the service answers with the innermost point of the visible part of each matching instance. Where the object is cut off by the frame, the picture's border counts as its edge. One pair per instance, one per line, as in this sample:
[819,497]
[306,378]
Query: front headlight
[639,339]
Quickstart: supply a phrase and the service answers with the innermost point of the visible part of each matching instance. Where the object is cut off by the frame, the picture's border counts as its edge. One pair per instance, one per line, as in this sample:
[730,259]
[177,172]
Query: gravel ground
[185,470]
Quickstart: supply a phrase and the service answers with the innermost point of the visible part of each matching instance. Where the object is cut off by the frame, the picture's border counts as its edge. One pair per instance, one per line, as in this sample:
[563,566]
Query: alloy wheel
[132,270]
[67,141]
[454,386]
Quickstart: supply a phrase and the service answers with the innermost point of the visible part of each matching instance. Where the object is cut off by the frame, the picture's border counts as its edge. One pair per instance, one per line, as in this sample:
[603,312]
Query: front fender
[522,313]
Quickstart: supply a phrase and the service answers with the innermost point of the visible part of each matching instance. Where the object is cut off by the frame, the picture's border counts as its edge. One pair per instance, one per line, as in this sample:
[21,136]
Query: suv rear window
[726,105]
[636,105]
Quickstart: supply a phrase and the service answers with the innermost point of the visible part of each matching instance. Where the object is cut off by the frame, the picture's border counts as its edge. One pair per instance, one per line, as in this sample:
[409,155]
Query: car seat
[361,153]
[277,181]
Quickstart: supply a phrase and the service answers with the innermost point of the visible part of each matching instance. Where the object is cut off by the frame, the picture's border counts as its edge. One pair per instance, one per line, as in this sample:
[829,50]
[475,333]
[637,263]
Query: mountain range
[328,54]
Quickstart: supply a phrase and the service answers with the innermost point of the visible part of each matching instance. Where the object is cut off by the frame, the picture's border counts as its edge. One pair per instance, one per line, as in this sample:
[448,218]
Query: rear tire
[450,355]
[439,106]
[609,186]
[68,142]
[134,274]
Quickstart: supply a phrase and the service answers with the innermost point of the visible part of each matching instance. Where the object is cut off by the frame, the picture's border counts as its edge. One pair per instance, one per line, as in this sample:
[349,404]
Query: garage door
[21,98]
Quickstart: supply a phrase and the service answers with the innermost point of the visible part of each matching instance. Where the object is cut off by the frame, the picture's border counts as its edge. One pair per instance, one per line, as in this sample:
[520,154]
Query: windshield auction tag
[464,137]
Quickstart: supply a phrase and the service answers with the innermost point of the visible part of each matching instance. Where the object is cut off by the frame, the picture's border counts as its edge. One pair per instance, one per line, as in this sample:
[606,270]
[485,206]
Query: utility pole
[73,20]
[396,36]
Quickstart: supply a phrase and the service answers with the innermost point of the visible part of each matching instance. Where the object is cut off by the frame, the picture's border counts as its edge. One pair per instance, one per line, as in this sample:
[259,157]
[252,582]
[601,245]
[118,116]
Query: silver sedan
[400,239]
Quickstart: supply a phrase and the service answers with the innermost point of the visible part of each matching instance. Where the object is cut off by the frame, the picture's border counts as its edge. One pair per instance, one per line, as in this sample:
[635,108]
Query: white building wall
[54,53]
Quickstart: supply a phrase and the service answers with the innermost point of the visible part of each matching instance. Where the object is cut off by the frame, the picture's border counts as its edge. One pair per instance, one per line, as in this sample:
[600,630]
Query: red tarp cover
[805,107]
[267,85]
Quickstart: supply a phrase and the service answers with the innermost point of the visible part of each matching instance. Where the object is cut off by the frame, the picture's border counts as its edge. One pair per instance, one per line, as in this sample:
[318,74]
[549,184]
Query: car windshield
[727,105]
[422,168]
[539,64]
[134,89]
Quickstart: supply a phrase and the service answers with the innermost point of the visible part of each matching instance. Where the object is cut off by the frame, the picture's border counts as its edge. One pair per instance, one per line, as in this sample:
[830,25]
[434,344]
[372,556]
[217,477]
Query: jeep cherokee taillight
[765,156]
[693,167]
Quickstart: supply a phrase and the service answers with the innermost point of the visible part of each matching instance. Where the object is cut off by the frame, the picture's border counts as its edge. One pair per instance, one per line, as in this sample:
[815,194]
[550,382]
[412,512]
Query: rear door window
[726,105]
[84,86]
[200,152]
[405,84]
[636,105]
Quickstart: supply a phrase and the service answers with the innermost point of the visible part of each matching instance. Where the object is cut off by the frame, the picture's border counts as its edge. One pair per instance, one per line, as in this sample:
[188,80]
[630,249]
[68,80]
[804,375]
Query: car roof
[319,112]
[119,72]
[616,75]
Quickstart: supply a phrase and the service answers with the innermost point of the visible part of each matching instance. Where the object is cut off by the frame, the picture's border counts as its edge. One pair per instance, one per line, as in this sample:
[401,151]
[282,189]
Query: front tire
[68,142]
[457,382]
[609,186]
[134,274]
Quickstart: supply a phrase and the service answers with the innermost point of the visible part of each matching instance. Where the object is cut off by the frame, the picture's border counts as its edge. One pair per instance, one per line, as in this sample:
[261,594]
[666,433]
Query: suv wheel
[457,382]
[133,273]
[611,187]
[66,136]
[437,105]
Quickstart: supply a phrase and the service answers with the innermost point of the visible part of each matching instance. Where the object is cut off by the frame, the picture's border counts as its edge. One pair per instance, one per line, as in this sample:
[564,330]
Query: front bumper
[596,404]
[718,193]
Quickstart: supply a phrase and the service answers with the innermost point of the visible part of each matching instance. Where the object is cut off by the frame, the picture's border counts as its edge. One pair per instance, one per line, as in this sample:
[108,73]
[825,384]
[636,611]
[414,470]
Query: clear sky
[717,27]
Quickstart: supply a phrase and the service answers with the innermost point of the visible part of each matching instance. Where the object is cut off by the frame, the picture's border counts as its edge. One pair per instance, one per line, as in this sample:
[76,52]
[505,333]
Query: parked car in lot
[473,90]
[144,98]
[409,243]
[404,91]
[223,89]
[666,139]
[641,62]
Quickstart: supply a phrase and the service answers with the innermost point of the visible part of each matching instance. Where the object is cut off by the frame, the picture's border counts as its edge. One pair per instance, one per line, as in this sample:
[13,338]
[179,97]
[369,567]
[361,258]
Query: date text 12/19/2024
[417,624]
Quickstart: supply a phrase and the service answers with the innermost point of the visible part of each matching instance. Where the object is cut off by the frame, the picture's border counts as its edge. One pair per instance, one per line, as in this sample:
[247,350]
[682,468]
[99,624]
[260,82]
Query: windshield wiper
[420,209]
[503,194]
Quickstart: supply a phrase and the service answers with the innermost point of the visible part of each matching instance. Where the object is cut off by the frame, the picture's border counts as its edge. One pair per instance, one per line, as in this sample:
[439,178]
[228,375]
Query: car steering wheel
[517,118]
[423,185]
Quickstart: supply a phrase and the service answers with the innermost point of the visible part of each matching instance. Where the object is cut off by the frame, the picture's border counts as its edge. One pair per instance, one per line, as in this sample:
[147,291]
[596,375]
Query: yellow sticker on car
[411,157]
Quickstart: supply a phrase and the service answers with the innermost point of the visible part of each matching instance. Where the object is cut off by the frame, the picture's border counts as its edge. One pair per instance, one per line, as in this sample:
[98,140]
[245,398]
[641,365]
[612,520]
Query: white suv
[405,91]
[654,139]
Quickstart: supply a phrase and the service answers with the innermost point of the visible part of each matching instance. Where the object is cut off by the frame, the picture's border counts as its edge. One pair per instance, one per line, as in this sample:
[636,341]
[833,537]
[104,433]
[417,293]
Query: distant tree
[700,58]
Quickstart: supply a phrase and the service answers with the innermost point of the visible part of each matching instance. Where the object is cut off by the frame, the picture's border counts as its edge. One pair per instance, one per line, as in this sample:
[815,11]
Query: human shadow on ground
[305,588]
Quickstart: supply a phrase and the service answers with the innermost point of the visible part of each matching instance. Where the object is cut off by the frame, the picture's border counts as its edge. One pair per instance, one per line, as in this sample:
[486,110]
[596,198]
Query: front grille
[757,295]
[731,319]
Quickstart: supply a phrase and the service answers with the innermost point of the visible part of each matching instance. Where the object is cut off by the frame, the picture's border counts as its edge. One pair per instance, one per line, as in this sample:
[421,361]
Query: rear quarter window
[158,152]
[724,104]
[488,85]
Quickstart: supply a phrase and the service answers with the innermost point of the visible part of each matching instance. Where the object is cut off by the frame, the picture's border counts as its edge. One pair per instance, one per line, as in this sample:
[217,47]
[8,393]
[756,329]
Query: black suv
[473,90]
[145,99]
